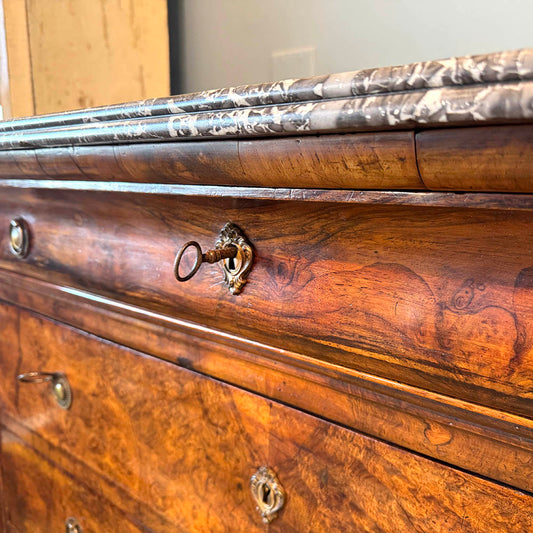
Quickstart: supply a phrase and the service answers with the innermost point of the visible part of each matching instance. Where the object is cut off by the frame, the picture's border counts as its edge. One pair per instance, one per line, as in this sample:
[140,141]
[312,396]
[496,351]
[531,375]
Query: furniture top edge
[510,67]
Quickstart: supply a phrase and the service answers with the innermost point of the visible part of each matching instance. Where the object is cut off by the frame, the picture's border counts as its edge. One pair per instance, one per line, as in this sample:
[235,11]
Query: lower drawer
[177,450]
[39,497]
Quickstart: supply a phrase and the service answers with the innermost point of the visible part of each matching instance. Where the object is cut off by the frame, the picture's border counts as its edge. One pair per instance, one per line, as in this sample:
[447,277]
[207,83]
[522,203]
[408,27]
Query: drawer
[169,446]
[338,480]
[41,498]
[176,451]
[439,298]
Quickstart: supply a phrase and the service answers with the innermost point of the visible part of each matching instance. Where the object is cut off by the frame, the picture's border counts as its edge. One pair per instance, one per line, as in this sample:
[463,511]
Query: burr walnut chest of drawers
[298,306]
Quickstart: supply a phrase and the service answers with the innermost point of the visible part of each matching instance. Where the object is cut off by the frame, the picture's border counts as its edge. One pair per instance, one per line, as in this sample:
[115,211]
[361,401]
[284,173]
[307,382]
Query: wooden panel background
[17,97]
[69,54]
[171,444]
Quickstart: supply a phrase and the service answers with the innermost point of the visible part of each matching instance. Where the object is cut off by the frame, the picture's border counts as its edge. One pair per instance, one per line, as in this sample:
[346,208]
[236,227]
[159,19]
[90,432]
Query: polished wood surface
[379,360]
[191,464]
[480,159]
[456,159]
[374,487]
[438,299]
[492,201]
[46,496]
[479,439]
[181,446]
[367,161]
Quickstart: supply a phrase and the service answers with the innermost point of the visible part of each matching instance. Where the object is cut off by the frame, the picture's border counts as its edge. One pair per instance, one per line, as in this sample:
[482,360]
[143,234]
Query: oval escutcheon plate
[235,269]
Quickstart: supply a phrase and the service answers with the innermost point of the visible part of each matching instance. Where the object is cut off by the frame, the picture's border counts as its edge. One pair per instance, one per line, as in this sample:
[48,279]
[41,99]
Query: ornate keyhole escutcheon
[72,526]
[236,269]
[232,250]
[268,493]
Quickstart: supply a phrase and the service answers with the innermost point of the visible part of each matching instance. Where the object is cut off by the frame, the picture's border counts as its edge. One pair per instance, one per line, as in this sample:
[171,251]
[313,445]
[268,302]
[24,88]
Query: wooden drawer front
[176,450]
[439,298]
[40,497]
[338,480]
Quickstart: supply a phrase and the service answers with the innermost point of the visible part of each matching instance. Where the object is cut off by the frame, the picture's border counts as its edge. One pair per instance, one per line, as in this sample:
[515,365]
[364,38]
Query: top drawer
[440,298]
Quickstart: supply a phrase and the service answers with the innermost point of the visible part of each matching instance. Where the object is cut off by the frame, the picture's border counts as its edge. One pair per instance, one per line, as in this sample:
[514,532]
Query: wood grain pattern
[400,312]
[439,299]
[179,445]
[189,441]
[367,161]
[479,439]
[499,201]
[377,161]
[324,467]
[481,159]
[54,48]
[5,99]
[42,496]
[363,161]
[18,59]
[9,327]
[125,42]
[494,158]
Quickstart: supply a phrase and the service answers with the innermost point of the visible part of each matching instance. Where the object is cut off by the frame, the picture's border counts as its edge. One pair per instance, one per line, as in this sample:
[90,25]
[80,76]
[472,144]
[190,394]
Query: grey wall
[231,42]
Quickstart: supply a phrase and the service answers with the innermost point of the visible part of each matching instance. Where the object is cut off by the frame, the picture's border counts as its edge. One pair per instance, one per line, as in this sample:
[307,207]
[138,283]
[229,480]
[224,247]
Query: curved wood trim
[513,202]
[368,161]
[483,159]
[477,159]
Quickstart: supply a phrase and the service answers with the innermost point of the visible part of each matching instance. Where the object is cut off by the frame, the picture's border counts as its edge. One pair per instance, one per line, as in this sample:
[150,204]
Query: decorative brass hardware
[72,526]
[268,493]
[59,385]
[19,237]
[232,248]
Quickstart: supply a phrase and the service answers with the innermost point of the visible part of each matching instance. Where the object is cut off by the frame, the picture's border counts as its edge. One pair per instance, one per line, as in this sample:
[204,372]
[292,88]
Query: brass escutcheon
[72,526]
[19,239]
[233,251]
[59,385]
[268,493]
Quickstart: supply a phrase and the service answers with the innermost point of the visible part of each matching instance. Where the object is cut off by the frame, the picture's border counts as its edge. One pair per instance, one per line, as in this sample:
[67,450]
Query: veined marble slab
[479,89]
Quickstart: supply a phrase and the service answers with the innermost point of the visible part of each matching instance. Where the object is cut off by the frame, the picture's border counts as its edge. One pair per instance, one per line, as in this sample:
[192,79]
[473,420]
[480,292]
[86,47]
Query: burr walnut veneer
[361,359]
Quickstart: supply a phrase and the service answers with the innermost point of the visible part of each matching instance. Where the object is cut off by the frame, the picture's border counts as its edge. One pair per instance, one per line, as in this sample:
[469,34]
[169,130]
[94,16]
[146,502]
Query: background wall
[229,42]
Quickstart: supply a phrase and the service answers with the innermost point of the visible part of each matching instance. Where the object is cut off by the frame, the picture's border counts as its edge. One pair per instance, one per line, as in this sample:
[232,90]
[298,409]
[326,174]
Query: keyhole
[266,495]
[231,263]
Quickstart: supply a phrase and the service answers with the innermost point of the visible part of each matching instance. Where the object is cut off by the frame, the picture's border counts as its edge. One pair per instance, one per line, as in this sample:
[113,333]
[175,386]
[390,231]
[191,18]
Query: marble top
[482,89]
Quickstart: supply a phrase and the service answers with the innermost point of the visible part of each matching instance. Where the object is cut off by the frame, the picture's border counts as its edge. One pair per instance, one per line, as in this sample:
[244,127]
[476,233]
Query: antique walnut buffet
[353,347]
